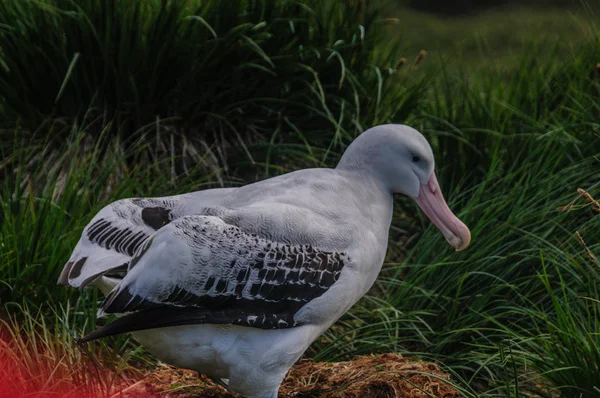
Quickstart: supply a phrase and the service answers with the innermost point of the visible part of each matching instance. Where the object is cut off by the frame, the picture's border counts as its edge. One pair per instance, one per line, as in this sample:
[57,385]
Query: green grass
[516,314]
[266,81]
[497,38]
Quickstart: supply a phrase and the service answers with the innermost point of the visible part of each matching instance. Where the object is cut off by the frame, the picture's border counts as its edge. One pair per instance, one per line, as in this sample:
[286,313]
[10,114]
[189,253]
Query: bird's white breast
[253,360]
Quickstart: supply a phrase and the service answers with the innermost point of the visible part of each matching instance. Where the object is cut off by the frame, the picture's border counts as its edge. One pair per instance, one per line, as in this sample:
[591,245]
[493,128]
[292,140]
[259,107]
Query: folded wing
[199,269]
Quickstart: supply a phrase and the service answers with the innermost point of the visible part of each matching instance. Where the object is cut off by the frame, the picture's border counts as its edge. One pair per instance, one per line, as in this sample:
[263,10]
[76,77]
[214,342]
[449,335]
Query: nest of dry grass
[384,376]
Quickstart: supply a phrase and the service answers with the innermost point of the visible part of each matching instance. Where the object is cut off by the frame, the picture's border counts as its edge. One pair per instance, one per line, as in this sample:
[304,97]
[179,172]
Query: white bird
[237,283]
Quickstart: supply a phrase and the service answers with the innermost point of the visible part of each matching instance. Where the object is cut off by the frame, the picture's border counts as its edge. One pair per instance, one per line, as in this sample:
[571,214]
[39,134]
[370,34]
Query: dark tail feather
[150,319]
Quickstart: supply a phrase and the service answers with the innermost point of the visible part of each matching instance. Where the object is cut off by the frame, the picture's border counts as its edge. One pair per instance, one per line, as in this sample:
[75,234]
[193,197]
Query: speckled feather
[202,262]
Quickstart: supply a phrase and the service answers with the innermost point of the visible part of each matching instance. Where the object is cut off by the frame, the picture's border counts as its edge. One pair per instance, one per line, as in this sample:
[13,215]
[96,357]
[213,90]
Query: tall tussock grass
[298,74]
[49,193]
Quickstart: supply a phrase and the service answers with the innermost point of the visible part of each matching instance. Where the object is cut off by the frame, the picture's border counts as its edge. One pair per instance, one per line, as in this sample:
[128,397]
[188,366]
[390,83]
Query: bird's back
[322,207]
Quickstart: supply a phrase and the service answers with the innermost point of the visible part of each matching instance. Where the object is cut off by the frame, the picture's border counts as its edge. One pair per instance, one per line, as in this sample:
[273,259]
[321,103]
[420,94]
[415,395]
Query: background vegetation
[465,7]
[101,100]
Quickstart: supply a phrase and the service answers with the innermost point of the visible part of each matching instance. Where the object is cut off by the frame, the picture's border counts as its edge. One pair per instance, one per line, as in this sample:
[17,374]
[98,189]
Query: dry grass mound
[385,376]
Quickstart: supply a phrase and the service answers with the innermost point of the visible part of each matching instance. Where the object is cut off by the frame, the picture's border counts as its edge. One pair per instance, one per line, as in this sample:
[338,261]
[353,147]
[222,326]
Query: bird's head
[402,159]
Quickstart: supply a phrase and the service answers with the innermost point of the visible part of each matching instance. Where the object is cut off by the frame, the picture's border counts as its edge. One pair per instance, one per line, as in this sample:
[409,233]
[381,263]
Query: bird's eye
[416,159]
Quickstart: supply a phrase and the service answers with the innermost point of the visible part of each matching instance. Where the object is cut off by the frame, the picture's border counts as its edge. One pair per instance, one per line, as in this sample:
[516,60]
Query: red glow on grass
[33,367]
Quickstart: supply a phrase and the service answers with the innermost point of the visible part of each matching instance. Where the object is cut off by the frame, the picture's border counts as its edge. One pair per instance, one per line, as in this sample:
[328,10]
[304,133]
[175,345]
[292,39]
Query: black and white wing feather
[199,269]
[114,235]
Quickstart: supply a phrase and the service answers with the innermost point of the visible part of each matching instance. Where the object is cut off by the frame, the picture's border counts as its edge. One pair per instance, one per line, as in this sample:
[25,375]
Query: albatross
[236,283]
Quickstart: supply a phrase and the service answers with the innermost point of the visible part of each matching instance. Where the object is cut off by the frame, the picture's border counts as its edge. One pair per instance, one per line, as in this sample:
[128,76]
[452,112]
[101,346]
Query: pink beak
[432,202]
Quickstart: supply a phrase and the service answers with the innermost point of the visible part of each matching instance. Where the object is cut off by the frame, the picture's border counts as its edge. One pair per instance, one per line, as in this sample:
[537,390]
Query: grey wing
[110,240]
[213,272]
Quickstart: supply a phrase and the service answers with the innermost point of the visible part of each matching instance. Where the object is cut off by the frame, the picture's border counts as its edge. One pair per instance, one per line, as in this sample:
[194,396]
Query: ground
[387,375]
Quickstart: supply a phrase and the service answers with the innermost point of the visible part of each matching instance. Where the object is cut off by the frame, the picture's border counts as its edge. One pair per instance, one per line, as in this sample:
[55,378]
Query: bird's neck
[363,163]
[355,158]
[377,201]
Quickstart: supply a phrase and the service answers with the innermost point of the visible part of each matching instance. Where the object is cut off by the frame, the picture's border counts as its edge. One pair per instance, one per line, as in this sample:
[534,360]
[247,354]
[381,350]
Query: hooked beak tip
[460,241]
[432,202]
